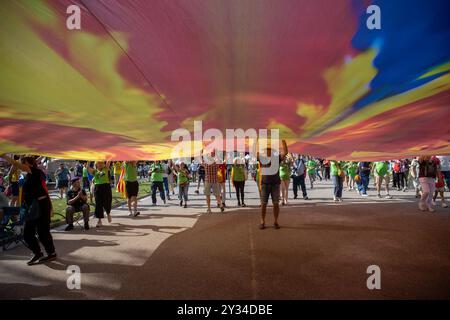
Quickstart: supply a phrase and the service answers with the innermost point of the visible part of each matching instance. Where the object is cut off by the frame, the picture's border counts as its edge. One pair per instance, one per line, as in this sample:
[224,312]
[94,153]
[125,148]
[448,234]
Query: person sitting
[76,202]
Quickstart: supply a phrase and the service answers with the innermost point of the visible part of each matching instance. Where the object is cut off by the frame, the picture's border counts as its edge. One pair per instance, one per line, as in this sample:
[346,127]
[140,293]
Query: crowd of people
[90,183]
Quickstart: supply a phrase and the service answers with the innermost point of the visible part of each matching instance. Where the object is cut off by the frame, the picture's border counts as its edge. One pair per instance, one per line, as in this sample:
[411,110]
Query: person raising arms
[102,190]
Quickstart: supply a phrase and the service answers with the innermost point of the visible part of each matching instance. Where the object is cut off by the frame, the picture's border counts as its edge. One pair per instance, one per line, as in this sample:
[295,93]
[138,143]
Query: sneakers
[109,218]
[388,196]
[243,205]
[262,226]
[364,195]
[181,203]
[222,208]
[431,209]
[99,223]
[379,196]
[185,206]
[69,227]
[239,204]
[340,200]
[335,199]
[130,214]
[208,211]
[405,189]
[196,191]
[305,198]
[34,260]
[137,213]
[86,225]
[48,258]
[276,226]
[295,197]
[444,205]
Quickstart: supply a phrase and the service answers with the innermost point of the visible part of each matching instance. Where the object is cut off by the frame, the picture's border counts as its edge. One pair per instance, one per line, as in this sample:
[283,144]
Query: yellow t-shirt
[117,168]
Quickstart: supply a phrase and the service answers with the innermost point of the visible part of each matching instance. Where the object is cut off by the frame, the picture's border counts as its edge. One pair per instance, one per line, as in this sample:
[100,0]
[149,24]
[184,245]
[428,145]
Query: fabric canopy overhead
[137,70]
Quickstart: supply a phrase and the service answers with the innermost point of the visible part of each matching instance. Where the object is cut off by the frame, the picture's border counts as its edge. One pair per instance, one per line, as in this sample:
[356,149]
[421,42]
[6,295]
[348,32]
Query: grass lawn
[59,205]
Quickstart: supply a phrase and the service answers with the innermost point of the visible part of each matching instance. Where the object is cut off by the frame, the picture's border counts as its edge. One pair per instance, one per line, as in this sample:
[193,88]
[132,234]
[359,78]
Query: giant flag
[136,70]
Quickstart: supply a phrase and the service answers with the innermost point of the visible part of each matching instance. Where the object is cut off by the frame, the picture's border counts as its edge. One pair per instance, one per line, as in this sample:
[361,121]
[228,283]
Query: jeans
[158,185]
[399,179]
[239,187]
[183,191]
[166,185]
[428,187]
[364,184]
[338,183]
[299,181]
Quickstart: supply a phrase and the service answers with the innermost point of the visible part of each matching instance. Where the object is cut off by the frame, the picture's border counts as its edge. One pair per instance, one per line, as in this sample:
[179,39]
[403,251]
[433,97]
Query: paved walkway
[322,251]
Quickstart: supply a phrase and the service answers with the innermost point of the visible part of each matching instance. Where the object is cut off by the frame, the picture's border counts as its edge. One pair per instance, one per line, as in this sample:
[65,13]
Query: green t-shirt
[381,168]
[351,169]
[101,177]
[238,173]
[311,166]
[334,171]
[157,173]
[85,172]
[284,171]
[130,172]
[182,178]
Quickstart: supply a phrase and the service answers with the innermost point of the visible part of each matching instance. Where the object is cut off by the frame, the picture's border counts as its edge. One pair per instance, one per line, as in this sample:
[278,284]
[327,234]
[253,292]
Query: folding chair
[11,228]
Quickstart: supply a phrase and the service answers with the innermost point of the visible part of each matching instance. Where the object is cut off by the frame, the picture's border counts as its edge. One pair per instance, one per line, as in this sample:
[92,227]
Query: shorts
[214,186]
[379,179]
[270,189]
[132,188]
[15,189]
[62,184]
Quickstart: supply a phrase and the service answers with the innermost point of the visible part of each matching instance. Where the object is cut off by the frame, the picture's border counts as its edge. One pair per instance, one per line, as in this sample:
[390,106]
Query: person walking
[39,210]
[414,175]
[238,180]
[428,171]
[211,181]
[62,183]
[285,177]
[298,177]
[364,173]
[201,177]
[131,186]
[183,177]
[440,188]
[311,167]
[381,173]
[337,176]
[157,181]
[102,191]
